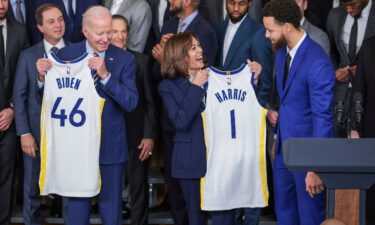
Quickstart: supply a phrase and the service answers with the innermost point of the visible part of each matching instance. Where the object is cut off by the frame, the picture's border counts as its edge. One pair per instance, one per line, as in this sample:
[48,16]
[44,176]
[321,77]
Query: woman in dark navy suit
[182,94]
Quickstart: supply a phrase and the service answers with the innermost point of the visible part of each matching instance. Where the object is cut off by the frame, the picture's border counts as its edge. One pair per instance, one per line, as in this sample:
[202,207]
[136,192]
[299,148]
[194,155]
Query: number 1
[233,123]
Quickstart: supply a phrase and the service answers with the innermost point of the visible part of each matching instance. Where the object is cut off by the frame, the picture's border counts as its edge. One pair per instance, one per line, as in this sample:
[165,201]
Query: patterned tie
[94,73]
[181,26]
[19,15]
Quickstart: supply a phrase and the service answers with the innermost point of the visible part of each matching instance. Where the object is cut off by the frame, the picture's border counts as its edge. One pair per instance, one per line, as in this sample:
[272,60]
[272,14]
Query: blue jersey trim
[238,70]
[69,61]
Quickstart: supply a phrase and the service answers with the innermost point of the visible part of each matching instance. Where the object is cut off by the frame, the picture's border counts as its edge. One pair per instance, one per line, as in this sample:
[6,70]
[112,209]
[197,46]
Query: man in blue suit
[72,11]
[116,68]
[305,81]
[27,106]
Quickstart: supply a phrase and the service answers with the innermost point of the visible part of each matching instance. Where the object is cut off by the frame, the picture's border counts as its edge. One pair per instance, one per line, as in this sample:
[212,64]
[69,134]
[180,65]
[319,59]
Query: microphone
[358,109]
[339,110]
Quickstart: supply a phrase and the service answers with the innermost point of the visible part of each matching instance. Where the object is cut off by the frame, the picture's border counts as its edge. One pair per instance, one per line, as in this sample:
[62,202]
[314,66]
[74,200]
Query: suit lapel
[11,41]
[298,58]
[279,69]
[222,30]
[193,25]
[238,39]
[110,60]
[341,47]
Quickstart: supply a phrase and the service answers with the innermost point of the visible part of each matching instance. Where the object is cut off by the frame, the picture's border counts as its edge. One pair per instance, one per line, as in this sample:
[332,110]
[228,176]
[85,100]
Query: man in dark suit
[317,12]
[142,124]
[18,10]
[13,38]
[72,11]
[305,110]
[27,106]
[347,26]
[187,19]
[116,68]
[241,38]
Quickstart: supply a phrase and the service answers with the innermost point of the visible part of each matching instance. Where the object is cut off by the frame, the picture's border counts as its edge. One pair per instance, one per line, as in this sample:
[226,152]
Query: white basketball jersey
[235,132]
[70,130]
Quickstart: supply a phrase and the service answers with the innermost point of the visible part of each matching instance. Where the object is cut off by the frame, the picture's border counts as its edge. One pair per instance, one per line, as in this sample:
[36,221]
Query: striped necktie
[94,73]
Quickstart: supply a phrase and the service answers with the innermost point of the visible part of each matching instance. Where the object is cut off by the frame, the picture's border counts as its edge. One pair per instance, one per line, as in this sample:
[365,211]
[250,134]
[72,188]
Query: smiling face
[195,56]
[237,9]
[99,33]
[119,33]
[53,25]
[274,32]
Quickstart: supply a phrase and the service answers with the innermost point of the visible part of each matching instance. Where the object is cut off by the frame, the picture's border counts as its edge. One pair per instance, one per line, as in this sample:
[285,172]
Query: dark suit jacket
[182,101]
[27,105]
[120,94]
[364,82]
[207,38]
[317,12]
[74,35]
[142,121]
[339,55]
[17,40]
[248,43]
[306,101]
[216,11]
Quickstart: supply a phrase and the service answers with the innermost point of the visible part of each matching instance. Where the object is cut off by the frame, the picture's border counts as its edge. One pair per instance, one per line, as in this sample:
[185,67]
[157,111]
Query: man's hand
[98,64]
[314,185]
[200,78]
[165,38]
[353,70]
[6,118]
[28,145]
[342,74]
[157,52]
[146,146]
[255,68]
[43,65]
[272,117]
[354,134]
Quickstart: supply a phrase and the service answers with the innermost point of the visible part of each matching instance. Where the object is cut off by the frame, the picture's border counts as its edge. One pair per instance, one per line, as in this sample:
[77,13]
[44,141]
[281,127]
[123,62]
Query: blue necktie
[71,15]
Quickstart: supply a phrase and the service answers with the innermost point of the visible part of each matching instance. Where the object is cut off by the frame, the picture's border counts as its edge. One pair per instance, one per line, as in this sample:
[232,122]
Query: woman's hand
[200,78]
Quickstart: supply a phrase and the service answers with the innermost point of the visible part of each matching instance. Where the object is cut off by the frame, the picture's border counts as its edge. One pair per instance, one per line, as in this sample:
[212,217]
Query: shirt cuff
[24,134]
[104,81]
[40,84]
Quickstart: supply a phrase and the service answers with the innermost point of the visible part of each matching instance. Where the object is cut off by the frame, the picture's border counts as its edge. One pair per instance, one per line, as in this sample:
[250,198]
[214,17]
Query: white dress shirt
[229,35]
[5,29]
[362,24]
[161,10]
[224,10]
[115,6]
[292,52]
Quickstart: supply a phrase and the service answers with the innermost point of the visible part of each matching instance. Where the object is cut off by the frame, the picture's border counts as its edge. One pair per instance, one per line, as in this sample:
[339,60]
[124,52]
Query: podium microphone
[340,109]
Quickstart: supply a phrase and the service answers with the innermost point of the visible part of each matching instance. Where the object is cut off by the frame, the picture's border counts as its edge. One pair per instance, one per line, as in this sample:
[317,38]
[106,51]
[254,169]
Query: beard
[236,19]
[279,44]
[3,15]
[176,10]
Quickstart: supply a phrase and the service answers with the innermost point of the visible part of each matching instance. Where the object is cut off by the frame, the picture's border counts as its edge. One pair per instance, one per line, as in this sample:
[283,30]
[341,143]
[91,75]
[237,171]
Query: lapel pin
[111,59]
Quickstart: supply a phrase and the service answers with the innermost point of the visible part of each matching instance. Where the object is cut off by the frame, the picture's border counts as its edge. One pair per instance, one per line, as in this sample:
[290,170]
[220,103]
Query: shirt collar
[89,50]
[48,46]
[292,52]
[366,11]
[238,24]
[190,18]
[302,21]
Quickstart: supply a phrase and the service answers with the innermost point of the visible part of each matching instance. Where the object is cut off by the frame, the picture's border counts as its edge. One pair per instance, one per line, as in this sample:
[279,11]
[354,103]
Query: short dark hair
[42,8]
[176,50]
[120,17]
[284,11]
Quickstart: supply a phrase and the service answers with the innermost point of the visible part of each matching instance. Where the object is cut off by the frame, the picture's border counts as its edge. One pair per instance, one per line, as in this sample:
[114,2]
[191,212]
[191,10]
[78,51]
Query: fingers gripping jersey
[70,130]
[234,125]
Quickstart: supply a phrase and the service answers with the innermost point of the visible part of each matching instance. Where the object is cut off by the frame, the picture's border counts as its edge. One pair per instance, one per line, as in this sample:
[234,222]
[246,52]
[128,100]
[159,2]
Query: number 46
[62,116]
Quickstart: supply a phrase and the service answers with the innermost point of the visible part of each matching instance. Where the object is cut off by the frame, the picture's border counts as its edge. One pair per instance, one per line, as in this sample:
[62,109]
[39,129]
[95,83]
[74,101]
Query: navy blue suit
[208,41]
[120,93]
[182,101]
[74,35]
[305,111]
[27,108]
[249,42]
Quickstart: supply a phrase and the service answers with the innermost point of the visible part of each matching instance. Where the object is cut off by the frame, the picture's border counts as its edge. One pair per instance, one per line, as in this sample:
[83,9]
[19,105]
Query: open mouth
[199,58]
